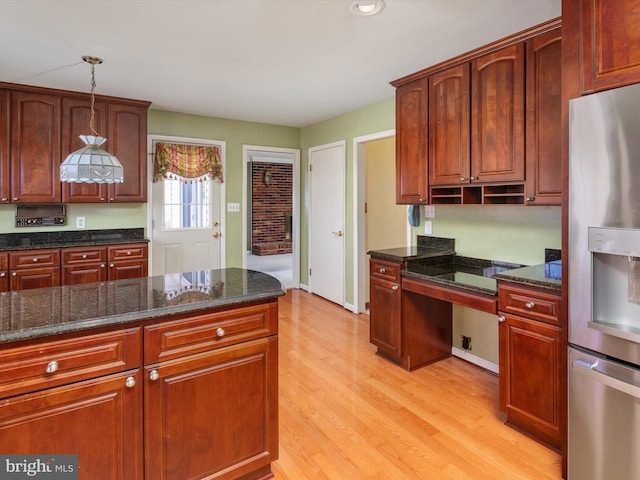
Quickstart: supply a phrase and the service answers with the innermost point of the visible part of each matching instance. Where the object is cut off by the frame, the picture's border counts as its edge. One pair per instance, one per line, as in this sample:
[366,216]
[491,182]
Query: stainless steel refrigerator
[604,286]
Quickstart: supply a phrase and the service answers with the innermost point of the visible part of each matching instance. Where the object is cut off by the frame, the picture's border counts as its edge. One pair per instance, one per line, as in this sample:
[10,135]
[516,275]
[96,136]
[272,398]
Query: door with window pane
[187,234]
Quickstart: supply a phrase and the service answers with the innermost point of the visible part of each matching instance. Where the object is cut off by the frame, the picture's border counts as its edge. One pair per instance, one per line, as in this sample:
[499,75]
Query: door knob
[216,235]
[338,233]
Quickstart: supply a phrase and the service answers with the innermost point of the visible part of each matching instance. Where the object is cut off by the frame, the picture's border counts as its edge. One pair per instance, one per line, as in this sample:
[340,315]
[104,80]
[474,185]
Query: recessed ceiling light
[365,8]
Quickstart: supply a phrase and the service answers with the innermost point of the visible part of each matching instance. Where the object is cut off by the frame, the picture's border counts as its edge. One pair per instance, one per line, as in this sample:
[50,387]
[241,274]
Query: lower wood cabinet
[34,269]
[385,298]
[4,272]
[532,361]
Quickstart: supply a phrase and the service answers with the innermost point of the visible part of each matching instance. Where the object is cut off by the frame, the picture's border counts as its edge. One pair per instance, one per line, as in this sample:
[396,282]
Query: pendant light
[91,164]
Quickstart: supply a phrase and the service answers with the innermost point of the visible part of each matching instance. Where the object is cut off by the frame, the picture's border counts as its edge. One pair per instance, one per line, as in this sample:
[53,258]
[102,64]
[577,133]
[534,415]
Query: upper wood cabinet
[125,128]
[449,126]
[35,147]
[544,119]
[411,143]
[5,180]
[610,44]
[497,116]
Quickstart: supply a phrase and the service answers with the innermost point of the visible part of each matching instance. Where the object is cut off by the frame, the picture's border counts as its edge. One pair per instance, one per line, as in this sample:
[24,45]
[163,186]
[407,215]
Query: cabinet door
[411,143]
[530,365]
[126,139]
[385,330]
[214,414]
[4,272]
[128,269]
[497,116]
[35,148]
[76,117]
[610,43]
[35,278]
[544,119]
[81,274]
[449,123]
[5,178]
[99,420]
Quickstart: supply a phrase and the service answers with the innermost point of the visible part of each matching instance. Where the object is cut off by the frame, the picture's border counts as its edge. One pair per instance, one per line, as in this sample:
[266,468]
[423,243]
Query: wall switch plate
[233,207]
[429,211]
[80,222]
[428,227]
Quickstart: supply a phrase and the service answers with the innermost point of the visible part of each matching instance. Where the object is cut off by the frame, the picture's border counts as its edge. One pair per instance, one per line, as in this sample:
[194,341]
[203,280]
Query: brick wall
[271,207]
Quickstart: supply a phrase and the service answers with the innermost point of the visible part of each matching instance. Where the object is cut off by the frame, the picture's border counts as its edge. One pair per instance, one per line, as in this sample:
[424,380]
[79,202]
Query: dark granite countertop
[70,238]
[426,247]
[474,274]
[28,314]
[546,275]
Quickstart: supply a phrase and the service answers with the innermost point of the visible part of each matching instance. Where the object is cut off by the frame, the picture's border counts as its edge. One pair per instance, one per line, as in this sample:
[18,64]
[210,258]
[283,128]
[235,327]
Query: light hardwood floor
[346,413]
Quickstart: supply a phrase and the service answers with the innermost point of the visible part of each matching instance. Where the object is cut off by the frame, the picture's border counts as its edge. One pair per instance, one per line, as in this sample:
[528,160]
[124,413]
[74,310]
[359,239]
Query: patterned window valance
[188,161]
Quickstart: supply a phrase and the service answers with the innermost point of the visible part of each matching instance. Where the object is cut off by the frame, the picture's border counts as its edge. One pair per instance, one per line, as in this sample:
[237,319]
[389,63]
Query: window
[186,203]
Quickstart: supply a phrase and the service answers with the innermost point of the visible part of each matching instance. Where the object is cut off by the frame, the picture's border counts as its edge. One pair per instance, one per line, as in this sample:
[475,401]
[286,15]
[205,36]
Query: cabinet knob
[473,178]
[422,199]
[84,257]
[34,259]
[130,382]
[530,199]
[102,265]
[111,199]
[383,270]
[395,287]
[15,274]
[502,318]
[3,274]
[112,265]
[15,199]
[463,179]
[529,305]
[220,332]
[154,375]
[52,367]
[5,199]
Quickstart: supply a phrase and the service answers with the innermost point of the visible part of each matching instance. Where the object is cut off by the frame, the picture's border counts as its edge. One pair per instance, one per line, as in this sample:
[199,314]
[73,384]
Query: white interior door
[186,225]
[327,221]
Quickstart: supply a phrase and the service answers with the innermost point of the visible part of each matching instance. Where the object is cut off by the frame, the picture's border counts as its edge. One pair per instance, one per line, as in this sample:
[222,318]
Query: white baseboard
[471,358]
[304,287]
[350,307]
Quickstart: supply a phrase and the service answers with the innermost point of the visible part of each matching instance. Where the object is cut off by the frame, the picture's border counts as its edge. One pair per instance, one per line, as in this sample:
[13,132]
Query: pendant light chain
[93,99]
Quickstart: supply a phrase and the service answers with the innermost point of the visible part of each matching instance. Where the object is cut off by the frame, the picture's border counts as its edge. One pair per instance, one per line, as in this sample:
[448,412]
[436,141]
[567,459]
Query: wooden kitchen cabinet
[609,42]
[412,177]
[84,265]
[544,119]
[449,126]
[385,298]
[5,176]
[127,261]
[34,268]
[4,272]
[35,147]
[78,395]
[532,361]
[124,125]
[213,396]
[497,116]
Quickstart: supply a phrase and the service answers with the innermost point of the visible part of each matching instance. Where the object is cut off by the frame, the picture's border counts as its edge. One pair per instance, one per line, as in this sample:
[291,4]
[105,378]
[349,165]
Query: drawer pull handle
[383,270]
[395,287]
[220,332]
[128,253]
[35,259]
[154,375]
[52,367]
[529,305]
[502,318]
[130,382]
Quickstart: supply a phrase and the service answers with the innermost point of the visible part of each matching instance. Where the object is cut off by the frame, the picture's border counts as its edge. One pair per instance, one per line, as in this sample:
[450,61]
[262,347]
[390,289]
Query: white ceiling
[283,62]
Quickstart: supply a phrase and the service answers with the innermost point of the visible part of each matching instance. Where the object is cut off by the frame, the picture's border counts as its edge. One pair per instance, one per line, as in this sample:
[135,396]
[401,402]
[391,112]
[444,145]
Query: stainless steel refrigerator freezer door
[604,418]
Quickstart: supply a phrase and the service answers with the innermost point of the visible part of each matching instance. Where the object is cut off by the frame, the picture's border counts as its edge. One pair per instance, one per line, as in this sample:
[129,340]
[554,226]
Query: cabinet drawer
[4,261]
[37,258]
[45,365]
[127,252]
[178,338]
[529,303]
[383,269]
[73,256]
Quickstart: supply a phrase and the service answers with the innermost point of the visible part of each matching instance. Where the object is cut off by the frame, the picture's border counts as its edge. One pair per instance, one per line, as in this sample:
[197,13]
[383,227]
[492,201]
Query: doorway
[270,232]
[186,219]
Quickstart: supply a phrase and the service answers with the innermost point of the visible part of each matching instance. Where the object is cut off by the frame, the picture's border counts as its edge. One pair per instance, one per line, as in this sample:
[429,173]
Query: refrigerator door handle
[590,370]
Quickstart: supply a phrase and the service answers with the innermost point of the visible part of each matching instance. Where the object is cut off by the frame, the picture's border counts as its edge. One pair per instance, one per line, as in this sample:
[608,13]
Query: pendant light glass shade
[91,164]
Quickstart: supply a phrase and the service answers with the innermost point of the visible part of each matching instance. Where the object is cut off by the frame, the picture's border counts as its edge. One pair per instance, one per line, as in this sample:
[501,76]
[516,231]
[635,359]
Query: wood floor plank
[348,414]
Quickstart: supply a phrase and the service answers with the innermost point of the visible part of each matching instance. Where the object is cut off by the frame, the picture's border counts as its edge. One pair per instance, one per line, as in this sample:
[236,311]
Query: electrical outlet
[466,343]
[233,207]
[429,211]
[80,222]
